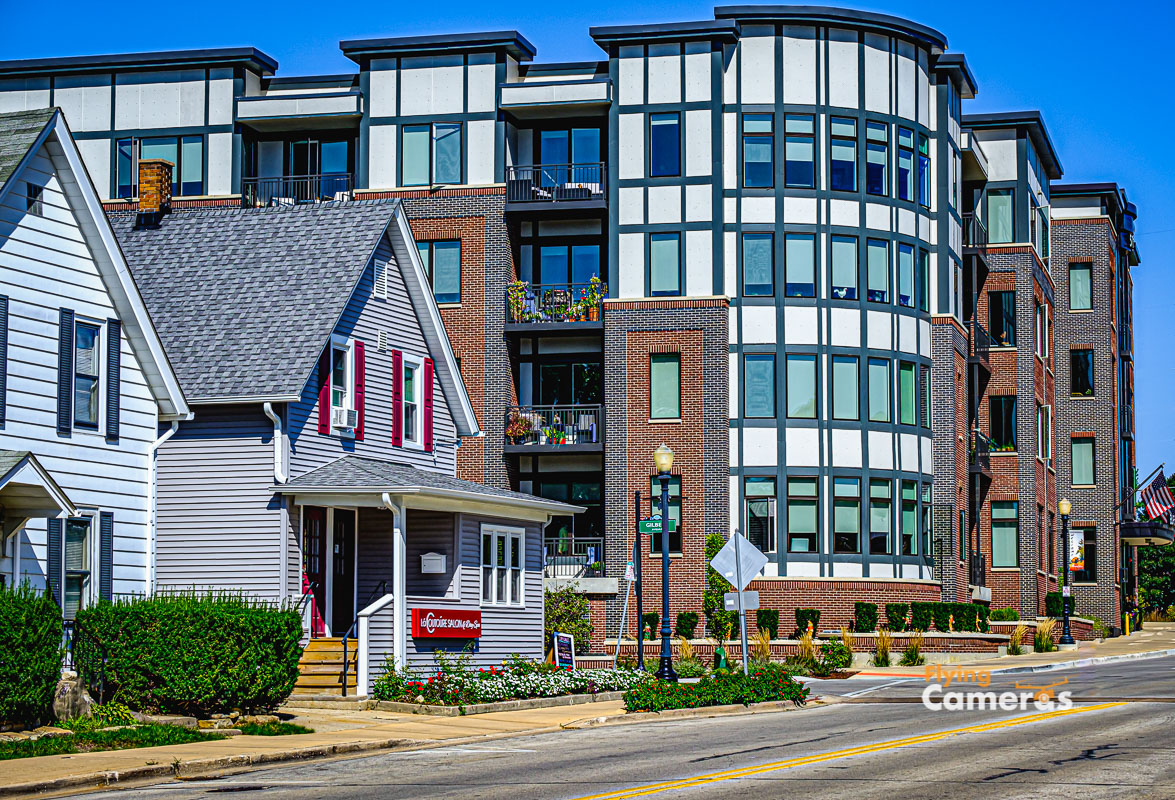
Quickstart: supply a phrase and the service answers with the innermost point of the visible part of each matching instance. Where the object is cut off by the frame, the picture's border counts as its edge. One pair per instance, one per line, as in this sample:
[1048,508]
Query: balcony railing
[573,557]
[555,426]
[555,302]
[980,346]
[974,231]
[980,460]
[294,189]
[555,183]
[978,569]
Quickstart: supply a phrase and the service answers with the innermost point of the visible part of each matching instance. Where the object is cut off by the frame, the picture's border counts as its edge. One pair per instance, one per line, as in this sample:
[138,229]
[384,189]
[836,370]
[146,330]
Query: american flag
[1157,497]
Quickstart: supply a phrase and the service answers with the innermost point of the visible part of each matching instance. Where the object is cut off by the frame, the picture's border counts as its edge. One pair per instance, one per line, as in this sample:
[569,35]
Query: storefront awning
[1147,532]
[361,481]
[27,490]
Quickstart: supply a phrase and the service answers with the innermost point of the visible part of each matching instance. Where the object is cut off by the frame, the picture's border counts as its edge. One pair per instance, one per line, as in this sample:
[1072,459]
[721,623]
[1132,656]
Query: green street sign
[653,525]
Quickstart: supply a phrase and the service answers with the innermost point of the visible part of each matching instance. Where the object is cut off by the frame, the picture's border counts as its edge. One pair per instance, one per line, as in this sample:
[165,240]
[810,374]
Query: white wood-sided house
[84,380]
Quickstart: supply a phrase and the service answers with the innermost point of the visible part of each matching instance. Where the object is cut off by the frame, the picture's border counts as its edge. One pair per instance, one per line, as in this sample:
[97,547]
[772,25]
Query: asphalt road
[885,748]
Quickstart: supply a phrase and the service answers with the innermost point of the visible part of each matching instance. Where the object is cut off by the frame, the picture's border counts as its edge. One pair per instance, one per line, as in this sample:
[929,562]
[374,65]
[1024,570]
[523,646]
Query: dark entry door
[343,577]
[314,566]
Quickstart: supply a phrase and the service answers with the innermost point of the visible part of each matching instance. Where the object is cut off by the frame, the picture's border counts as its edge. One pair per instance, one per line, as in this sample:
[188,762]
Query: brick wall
[948,377]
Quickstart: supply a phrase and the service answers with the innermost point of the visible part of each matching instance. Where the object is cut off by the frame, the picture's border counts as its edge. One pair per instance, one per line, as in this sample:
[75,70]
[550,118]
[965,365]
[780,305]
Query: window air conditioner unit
[344,418]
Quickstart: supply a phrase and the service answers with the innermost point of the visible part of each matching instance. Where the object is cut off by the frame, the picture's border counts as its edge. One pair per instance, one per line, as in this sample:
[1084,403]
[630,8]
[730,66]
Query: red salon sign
[445,623]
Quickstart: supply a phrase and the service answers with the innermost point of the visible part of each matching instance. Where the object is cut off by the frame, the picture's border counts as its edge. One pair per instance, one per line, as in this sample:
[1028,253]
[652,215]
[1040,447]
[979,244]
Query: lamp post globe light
[663,461]
[1064,507]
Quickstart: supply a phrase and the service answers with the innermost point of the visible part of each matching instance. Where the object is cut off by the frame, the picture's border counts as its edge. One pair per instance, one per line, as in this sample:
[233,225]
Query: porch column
[399,582]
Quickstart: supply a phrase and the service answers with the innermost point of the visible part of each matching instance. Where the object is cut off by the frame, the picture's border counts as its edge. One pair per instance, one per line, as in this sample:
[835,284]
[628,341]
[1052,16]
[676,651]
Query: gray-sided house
[84,381]
[328,408]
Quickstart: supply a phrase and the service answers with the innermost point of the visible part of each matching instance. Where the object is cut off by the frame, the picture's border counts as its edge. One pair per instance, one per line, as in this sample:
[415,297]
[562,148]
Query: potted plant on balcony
[595,569]
[518,427]
[516,300]
[593,298]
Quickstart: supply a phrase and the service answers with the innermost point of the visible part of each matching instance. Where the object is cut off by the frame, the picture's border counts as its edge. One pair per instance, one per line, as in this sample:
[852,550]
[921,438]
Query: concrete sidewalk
[1156,639]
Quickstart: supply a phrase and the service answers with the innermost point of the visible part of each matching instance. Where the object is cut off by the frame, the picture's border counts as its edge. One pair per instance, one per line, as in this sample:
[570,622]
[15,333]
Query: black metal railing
[981,447]
[978,569]
[1126,341]
[555,426]
[88,657]
[294,189]
[353,631]
[555,302]
[573,557]
[980,340]
[555,183]
[974,231]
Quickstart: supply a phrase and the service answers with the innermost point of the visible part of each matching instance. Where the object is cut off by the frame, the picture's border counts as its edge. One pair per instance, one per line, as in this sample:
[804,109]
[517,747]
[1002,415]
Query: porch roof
[350,477]
[28,490]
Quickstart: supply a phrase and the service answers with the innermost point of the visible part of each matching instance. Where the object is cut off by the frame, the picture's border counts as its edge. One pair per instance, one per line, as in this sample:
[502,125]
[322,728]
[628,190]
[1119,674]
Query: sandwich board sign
[563,649]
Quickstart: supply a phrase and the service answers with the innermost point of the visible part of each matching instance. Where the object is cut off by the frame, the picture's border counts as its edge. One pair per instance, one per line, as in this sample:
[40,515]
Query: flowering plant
[765,683]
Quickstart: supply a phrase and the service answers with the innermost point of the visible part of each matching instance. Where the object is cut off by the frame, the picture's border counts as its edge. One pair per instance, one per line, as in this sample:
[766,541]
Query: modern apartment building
[772,240]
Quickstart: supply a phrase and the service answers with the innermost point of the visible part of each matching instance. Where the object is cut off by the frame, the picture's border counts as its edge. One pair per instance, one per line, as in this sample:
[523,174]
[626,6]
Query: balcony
[556,189]
[979,460]
[289,190]
[554,429]
[1126,342]
[1128,422]
[979,345]
[553,308]
[575,557]
[974,232]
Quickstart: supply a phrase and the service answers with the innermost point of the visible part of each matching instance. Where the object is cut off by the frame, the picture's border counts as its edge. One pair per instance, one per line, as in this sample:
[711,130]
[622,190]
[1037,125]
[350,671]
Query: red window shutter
[397,398]
[360,387]
[428,446]
[324,392]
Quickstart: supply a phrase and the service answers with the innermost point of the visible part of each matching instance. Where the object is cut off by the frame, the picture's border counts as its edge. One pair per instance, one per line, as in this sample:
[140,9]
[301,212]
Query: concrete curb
[1084,662]
[689,713]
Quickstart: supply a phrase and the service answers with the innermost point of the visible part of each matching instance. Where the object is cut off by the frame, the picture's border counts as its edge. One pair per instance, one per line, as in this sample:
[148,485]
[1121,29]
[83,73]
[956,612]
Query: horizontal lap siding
[45,264]
[431,532]
[219,522]
[363,319]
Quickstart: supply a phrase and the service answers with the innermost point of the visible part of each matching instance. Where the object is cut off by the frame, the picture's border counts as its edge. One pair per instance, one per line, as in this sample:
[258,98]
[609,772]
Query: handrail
[292,189]
[78,635]
[382,586]
[554,183]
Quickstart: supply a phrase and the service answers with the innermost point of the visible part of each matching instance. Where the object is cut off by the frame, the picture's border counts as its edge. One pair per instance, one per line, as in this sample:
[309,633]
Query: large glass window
[1002,313]
[909,518]
[846,515]
[431,154]
[664,145]
[560,265]
[880,516]
[1081,373]
[759,385]
[1083,467]
[908,393]
[758,151]
[674,515]
[905,164]
[760,496]
[801,386]
[906,275]
[664,264]
[442,266]
[186,154]
[924,172]
[800,265]
[1002,409]
[879,390]
[799,151]
[923,280]
[758,264]
[446,152]
[1000,217]
[802,499]
[877,158]
[877,265]
[1081,286]
[842,173]
[87,357]
[665,386]
[1005,534]
[415,143]
[77,565]
[845,371]
[575,383]
[844,267]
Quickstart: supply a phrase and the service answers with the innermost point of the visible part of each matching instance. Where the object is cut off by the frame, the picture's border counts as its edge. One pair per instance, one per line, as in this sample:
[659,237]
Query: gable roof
[20,140]
[246,299]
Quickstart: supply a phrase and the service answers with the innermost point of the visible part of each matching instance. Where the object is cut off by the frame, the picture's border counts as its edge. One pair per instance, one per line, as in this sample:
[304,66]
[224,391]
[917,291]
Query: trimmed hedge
[1053,607]
[804,616]
[30,654]
[196,654]
[921,615]
[768,620]
[896,615]
[864,617]
[687,623]
[1005,615]
[723,689]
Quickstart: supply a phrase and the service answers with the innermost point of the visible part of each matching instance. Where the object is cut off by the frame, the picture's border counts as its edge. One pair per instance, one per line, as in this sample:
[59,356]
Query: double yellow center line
[893,744]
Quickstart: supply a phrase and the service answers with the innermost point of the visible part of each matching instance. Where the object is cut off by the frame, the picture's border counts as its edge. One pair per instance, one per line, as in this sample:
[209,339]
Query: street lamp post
[663,460]
[1065,507]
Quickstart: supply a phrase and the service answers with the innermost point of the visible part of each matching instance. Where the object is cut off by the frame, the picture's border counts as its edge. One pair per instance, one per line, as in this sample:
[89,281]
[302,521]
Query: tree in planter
[567,611]
[807,618]
[687,623]
[864,617]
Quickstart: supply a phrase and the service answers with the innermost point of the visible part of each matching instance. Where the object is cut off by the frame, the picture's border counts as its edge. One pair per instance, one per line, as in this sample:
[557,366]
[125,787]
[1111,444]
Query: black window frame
[653,119]
[1001,424]
[1001,319]
[1087,355]
[791,136]
[757,136]
[833,138]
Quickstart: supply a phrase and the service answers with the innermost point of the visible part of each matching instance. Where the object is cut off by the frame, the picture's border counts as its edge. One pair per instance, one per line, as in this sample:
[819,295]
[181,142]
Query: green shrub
[196,654]
[834,656]
[720,689]
[567,611]
[895,616]
[651,623]
[865,617]
[942,615]
[273,729]
[687,624]
[1005,615]
[30,654]
[804,616]
[1052,605]
[921,615]
[767,619]
[981,619]
[690,668]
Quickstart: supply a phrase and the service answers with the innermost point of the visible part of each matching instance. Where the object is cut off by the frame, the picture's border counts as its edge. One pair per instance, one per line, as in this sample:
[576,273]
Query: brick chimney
[154,192]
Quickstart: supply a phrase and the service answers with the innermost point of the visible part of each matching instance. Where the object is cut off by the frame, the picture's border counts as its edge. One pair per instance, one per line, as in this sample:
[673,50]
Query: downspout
[399,581]
[153,494]
[280,477]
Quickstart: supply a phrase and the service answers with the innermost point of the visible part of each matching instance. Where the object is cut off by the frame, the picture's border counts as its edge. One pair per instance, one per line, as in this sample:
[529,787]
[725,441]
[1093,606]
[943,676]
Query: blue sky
[1098,72]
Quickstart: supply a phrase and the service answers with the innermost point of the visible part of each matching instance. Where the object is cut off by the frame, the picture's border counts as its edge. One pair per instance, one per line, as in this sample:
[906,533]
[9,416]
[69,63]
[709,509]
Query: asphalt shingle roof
[10,458]
[244,299]
[18,131]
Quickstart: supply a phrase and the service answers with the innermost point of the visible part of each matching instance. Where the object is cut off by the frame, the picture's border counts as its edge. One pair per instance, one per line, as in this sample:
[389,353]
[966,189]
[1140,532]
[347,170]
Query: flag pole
[1141,484]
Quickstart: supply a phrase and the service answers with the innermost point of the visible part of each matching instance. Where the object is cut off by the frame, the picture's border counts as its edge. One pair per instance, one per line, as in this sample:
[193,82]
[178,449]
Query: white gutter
[152,527]
[399,582]
[279,440]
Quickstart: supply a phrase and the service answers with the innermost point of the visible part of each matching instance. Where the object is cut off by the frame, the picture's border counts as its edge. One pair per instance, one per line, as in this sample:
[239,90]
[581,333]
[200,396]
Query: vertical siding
[363,319]
[46,264]
[219,523]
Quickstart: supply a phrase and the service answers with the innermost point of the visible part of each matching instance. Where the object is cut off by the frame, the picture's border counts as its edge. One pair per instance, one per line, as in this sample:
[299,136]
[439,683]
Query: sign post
[739,562]
[638,557]
[629,576]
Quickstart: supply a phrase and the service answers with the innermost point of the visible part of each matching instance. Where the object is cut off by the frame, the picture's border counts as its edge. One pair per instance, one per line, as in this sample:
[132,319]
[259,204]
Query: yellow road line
[714,777]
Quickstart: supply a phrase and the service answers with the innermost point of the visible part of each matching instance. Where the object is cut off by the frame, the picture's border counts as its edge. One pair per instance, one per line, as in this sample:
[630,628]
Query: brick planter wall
[1081,628]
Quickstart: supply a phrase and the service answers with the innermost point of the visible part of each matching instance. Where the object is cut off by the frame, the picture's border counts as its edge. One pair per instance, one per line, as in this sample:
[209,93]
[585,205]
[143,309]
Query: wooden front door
[314,566]
[343,572]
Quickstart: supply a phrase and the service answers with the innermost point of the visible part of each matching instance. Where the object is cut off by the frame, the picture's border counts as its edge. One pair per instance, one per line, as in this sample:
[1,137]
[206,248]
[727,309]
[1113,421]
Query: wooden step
[323,680]
[327,655]
[327,668]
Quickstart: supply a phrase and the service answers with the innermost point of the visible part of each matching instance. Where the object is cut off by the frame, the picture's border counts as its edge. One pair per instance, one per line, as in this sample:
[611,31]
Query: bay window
[1000,216]
[905,164]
